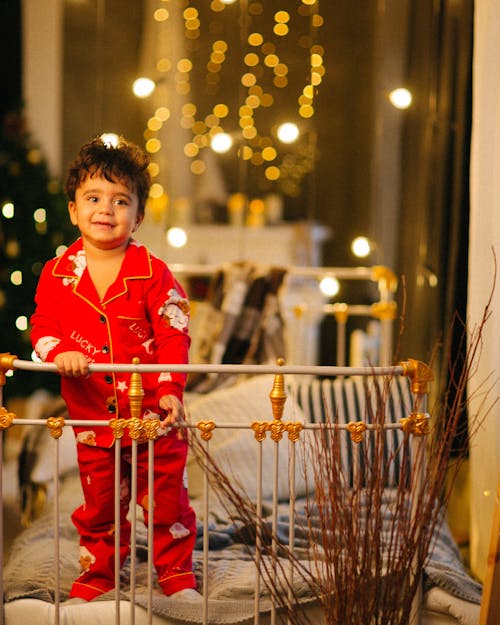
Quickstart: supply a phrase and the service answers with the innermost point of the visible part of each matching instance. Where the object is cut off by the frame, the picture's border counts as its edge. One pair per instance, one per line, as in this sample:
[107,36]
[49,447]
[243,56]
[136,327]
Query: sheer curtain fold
[484,247]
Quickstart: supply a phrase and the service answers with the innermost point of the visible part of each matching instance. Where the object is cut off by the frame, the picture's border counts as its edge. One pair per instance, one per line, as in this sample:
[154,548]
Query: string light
[269,65]
[8,210]
[400,98]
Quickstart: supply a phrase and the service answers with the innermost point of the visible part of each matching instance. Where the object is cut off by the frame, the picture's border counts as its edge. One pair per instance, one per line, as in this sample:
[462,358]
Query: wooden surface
[490,605]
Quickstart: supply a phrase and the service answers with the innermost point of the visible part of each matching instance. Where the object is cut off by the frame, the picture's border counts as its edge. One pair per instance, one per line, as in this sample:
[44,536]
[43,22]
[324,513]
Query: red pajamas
[143,314]
[174,519]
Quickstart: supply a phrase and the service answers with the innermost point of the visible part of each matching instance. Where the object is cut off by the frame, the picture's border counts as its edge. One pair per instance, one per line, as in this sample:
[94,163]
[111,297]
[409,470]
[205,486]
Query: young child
[107,299]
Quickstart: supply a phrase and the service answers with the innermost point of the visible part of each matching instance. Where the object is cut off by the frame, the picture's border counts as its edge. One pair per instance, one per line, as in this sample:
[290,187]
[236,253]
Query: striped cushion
[371,400]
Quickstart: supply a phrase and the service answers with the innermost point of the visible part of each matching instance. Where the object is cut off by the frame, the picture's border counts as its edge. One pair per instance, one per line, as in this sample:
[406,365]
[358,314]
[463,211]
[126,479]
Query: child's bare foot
[189,594]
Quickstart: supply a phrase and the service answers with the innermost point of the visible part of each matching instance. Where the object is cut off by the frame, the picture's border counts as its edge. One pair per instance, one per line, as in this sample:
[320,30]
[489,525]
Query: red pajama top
[144,314]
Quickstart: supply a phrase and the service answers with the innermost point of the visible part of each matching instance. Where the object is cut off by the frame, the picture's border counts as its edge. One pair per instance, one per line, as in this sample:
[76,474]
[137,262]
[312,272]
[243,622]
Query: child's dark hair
[123,161]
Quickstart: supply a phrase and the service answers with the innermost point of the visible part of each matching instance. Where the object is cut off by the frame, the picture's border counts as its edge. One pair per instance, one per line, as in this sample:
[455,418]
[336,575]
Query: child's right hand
[72,364]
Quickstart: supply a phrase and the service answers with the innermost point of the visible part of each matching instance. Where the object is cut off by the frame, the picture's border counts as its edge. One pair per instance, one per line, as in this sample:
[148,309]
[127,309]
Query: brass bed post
[6,364]
[417,426]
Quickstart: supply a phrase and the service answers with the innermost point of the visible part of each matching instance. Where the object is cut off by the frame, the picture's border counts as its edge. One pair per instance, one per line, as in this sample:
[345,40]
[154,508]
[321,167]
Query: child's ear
[72,213]
[138,221]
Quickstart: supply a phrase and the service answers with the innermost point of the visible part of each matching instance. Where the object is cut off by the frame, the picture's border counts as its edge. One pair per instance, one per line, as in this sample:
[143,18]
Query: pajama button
[108,379]
[105,349]
[102,319]
[112,408]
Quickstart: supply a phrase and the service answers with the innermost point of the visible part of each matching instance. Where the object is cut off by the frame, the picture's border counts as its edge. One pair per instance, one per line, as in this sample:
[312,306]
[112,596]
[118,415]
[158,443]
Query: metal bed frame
[418,372]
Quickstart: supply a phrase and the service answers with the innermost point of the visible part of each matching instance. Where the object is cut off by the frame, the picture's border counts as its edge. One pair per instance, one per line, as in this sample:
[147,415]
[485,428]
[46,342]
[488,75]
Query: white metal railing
[415,370]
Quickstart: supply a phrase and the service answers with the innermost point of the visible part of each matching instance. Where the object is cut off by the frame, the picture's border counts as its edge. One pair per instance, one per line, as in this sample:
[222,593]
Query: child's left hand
[172,405]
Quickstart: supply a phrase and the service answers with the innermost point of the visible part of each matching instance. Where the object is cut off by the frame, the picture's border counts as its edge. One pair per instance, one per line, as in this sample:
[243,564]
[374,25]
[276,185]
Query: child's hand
[72,364]
[172,405]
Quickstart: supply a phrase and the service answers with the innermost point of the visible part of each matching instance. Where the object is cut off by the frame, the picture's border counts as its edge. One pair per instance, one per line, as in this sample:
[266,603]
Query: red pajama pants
[174,520]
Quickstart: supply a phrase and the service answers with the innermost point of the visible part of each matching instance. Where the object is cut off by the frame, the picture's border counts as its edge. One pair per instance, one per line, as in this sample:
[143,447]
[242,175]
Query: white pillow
[236,450]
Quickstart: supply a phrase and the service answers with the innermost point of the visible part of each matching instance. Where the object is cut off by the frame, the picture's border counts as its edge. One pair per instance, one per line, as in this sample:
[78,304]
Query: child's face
[105,212]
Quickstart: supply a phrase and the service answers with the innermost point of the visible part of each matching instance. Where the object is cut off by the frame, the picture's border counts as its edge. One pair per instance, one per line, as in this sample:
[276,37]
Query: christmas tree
[33,225]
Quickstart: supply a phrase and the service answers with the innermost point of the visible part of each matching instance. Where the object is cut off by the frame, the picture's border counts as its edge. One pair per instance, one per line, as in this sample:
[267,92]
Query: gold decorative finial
[136,392]
[6,364]
[278,393]
[420,374]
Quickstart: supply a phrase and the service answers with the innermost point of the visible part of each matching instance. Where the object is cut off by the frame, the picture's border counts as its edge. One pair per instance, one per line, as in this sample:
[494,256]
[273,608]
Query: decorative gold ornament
[6,418]
[278,393]
[136,430]
[357,429]
[136,392]
[417,423]
[260,428]
[55,425]
[294,430]
[118,427]
[206,428]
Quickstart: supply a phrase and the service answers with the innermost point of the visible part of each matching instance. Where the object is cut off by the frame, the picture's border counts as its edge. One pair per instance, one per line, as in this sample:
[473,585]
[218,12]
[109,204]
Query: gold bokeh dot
[214,68]
[269,154]
[199,127]
[253,101]
[248,79]
[256,8]
[316,60]
[190,13]
[318,49]
[160,15]
[256,90]
[271,60]
[282,16]
[281,69]
[162,113]
[154,169]
[189,109]
[281,30]
[212,121]
[192,25]
[246,121]
[153,145]
[251,59]
[317,21]
[280,81]
[217,57]
[163,64]
[268,48]
[191,150]
[267,99]
[156,190]
[306,111]
[250,132]
[221,110]
[245,152]
[198,167]
[255,39]
[315,78]
[257,158]
[220,46]
[154,123]
[200,141]
[272,172]
[184,65]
